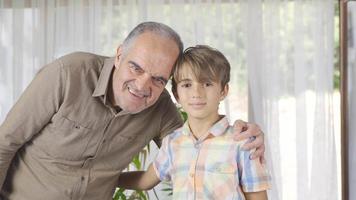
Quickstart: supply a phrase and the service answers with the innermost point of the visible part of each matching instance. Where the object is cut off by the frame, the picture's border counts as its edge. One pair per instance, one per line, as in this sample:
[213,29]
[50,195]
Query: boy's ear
[224,92]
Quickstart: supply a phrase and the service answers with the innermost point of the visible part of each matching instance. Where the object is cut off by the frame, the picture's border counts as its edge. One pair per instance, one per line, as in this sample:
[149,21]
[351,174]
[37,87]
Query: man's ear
[118,55]
[224,92]
[119,50]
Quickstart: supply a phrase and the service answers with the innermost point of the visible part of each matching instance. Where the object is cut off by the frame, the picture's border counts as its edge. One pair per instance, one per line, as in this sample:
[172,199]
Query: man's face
[141,73]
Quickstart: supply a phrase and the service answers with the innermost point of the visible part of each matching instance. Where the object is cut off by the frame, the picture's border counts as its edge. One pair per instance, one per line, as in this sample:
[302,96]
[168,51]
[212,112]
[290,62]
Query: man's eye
[158,81]
[135,68]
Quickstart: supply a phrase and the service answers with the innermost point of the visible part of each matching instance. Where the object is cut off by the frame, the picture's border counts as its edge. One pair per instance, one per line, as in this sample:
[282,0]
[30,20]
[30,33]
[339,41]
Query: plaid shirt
[212,167]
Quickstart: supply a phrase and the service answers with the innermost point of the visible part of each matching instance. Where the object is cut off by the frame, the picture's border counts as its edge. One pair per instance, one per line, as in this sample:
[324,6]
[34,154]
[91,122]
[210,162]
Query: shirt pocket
[220,180]
[64,138]
[119,151]
[222,168]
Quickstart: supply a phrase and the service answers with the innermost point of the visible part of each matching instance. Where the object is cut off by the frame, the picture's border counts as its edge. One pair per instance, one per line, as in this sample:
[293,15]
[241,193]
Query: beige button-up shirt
[62,140]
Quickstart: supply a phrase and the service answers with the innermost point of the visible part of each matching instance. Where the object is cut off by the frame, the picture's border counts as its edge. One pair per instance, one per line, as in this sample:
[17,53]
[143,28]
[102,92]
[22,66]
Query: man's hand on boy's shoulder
[244,130]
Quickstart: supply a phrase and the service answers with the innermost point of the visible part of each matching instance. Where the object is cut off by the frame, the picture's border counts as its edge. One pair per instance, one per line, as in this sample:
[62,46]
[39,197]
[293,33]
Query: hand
[245,130]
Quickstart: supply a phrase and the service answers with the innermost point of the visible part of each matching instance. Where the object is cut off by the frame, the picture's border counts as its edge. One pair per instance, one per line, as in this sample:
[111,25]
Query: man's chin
[134,110]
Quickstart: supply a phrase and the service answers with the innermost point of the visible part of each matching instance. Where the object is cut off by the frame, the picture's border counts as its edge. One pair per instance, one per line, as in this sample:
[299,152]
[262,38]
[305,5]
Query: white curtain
[352,97]
[281,51]
[290,72]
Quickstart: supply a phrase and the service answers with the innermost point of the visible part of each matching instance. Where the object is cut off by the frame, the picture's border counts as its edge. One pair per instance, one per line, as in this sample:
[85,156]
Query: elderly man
[84,117]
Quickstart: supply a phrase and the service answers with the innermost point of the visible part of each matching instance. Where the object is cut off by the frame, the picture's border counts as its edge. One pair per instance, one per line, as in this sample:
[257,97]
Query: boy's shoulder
[175,134]
[229,136]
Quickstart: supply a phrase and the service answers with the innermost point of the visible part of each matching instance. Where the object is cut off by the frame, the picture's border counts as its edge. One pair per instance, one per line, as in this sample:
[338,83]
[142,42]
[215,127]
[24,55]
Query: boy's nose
[197,91]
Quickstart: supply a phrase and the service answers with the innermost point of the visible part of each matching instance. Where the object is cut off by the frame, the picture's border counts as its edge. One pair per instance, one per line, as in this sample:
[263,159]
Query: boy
[201,158]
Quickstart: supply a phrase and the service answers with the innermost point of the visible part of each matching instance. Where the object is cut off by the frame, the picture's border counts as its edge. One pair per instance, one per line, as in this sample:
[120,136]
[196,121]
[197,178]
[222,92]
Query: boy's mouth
[197,105]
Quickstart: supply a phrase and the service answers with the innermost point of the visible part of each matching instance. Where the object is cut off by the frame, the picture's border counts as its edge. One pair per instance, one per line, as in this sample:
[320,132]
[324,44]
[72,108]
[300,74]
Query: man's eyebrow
[135,64]
[155,77]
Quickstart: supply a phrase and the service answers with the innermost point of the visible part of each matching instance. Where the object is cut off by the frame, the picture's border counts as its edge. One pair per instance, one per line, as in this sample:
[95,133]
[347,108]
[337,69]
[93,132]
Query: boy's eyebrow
[185,80]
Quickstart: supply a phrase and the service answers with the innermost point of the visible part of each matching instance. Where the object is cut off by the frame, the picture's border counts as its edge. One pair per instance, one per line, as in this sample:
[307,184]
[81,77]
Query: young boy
[201,158]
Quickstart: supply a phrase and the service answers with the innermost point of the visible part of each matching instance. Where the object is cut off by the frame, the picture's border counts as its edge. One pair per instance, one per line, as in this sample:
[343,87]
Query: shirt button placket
[83,186]
[197,146]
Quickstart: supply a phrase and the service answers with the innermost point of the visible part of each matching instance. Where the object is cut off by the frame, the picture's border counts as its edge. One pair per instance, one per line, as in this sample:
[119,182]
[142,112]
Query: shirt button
[197,145]
[77,127]
[82,178]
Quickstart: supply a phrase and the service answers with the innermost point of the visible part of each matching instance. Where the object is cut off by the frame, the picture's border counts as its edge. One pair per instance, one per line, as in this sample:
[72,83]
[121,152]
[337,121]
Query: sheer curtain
[281,54]
[290,72]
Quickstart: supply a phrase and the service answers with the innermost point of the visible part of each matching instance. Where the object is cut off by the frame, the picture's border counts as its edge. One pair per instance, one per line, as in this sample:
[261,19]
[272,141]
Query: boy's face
[199,99]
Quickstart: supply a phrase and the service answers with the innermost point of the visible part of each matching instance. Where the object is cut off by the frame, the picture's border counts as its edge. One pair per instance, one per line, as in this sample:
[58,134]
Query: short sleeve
[163,162]
[253,176]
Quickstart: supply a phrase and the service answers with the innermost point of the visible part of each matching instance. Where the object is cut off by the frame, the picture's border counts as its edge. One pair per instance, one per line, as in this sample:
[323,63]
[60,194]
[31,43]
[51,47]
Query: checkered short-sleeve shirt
[212,167]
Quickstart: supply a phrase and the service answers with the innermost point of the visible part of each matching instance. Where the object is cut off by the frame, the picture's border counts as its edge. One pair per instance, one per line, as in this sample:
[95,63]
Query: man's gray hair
[155,27]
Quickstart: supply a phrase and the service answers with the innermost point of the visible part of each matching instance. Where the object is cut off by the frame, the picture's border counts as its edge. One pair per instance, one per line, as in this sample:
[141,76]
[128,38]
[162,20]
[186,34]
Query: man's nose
[143,81]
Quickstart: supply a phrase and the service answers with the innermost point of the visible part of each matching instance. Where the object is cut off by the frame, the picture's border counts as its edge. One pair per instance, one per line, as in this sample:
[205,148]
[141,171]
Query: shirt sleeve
[163,162]
[33,110]
[253,176]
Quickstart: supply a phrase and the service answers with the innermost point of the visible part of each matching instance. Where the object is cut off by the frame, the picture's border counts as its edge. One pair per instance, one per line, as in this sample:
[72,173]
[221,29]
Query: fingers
[259,153]
[262,159]
[239,126]
[254,144]
[243,130]
[248,131]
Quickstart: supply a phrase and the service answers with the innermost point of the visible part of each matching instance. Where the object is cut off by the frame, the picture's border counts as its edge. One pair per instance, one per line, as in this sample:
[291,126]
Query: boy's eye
[207,84]
[186,85]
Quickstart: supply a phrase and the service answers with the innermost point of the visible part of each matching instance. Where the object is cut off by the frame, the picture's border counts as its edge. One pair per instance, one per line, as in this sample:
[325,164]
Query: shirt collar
[104,79]
[217,129]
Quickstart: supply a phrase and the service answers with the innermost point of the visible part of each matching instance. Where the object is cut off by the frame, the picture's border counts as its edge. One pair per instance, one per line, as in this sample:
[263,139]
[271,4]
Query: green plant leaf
[136,162]
[119,194]
[141,194]
[183,114]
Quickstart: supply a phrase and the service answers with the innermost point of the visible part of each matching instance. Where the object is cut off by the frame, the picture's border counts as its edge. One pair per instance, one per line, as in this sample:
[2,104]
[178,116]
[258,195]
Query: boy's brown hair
[205,62]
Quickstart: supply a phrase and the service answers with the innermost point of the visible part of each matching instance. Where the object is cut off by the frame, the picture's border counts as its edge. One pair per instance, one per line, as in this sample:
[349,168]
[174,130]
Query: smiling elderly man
[84,117]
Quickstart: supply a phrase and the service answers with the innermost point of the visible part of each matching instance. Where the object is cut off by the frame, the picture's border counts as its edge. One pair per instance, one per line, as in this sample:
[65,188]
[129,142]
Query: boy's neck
[200,126]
